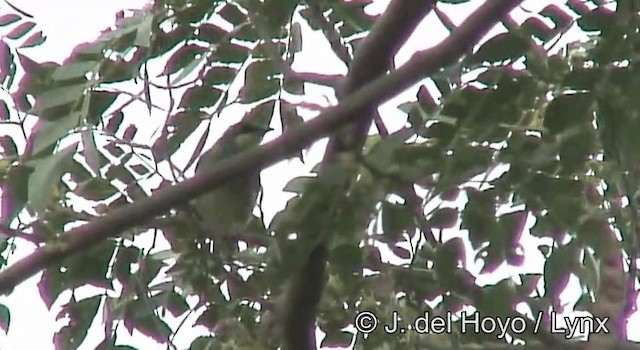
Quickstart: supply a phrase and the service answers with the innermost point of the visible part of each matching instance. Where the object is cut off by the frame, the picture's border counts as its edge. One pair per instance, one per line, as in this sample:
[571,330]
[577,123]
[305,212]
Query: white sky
[69,22]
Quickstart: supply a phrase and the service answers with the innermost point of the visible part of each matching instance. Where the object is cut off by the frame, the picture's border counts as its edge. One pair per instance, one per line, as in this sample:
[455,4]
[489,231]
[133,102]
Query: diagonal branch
[380,90]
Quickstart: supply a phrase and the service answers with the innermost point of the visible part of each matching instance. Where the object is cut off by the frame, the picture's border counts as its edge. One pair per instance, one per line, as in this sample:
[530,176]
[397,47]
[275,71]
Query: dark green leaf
[185,123]
[182,58]
[205,343]
[15,189]
[232,14]
[197,97]
[146,322]
[210,33]
[47,173]
[5,318]
[96,189]
[99,102]
[567,111]
[116,71]
[599,19]
[479,217]
[9,148]
[220,75]
[396,219]
[444,218]
[449,256]
[196,12]
[176,304]
[231,53]
[557,268]
[81,314]
[164,42]
[125,257]
[504,46]
[337,339]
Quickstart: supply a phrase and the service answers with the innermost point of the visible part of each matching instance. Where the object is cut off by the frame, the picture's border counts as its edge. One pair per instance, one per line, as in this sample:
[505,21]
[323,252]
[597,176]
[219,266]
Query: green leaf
[16,186]
[52,131]
[337,339]
[231,53]
[599,19]
[205,342]
[557,268]
[396,218]
[296,38]
[96,189]
[210,33]
[147,322]
[125,257]
[504,46]
[185,123]
[196,12]
[190,68]
[220,75]
[60,96]
[232,14]
[298,184]
[143,34]
[77,272]
[498,299]
[444,218]
[567,111]
[9,148]
[183,57]
[200,96]
[5,318]
[176,304]
[116,71]
[277,15]
[90,150]
[47,173]
[448,257]
[589,272]
[513,224]
[81,314]
[99,102]
[479,217]
[74,70]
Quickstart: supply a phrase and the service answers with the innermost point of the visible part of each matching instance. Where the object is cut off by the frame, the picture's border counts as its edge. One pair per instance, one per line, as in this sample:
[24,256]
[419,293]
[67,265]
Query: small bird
[226,210]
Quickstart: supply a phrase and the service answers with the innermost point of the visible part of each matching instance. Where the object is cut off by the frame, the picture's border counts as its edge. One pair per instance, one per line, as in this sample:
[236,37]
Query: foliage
[517,133]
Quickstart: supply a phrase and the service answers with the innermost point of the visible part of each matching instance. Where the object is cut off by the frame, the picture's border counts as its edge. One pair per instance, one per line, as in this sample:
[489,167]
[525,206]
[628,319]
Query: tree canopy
[516,146]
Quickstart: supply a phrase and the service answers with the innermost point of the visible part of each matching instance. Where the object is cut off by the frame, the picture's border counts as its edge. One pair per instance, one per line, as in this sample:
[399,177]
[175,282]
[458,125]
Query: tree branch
[380,90]
[373,58]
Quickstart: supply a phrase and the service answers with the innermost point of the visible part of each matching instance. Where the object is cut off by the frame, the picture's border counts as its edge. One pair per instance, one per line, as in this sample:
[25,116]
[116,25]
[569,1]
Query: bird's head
[249,133]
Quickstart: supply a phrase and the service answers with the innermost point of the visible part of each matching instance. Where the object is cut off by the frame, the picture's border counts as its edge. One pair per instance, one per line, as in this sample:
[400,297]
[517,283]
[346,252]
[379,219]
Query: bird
[226,210]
